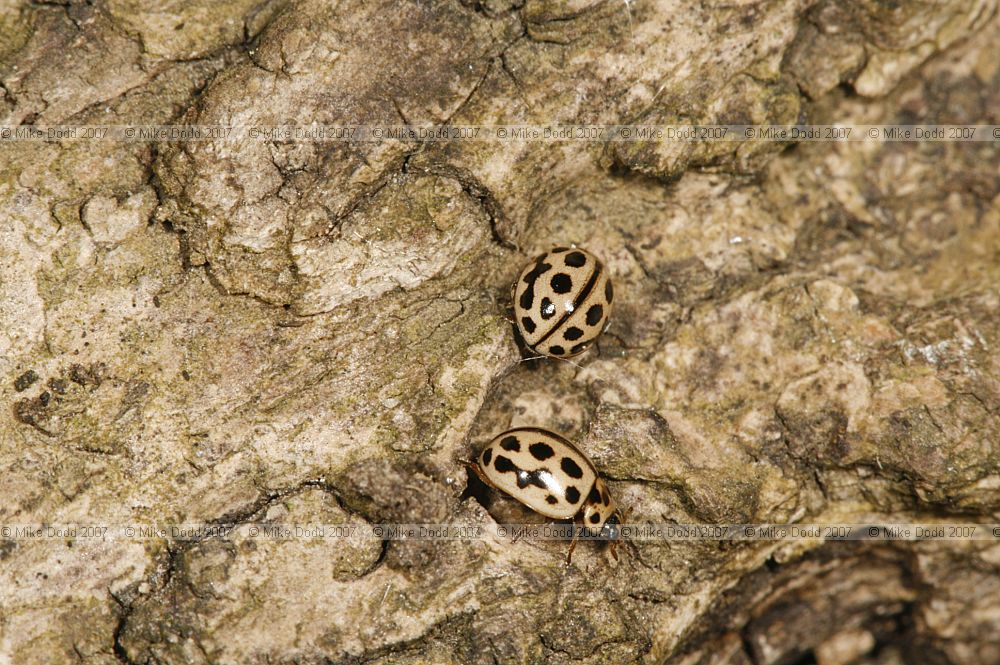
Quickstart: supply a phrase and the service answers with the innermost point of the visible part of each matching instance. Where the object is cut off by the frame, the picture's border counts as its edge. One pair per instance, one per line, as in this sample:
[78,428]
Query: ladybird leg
[472,466]
[615,544]
[572,545]
[613,549]
[632,545]
[510,311]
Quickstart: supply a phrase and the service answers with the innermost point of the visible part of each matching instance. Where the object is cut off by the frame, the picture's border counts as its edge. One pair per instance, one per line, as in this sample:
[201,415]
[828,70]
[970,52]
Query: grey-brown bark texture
[315,332]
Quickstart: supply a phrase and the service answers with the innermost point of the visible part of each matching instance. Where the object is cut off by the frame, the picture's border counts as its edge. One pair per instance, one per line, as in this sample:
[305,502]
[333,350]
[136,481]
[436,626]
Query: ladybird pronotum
[551,476]
[562,301]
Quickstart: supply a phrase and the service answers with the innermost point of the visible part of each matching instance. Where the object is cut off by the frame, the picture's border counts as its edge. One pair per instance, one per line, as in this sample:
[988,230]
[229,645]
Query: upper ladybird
[562,301]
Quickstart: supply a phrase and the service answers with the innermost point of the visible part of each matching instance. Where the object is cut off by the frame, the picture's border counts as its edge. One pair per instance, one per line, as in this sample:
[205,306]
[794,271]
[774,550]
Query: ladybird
[562,301]
[551,476]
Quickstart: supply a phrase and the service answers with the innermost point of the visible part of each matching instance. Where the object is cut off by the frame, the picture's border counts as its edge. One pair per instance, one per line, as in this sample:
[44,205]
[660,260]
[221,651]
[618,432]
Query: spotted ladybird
[562,301]
[551,476]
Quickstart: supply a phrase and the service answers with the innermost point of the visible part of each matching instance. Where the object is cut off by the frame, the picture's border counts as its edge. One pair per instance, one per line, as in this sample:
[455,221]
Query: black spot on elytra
[571,468]
[605,499]
[572,494]
[548,309]
[525,478]
[594,315]
[528,324]
[595,518]
[504,465]
[572,333]
[551,499]
[511,444]
[578,348]
[609,292]
[576,259]
[528,297]
[557,250]
[487,456]
[557,350]
[541,451]
[561,282]
[594,496]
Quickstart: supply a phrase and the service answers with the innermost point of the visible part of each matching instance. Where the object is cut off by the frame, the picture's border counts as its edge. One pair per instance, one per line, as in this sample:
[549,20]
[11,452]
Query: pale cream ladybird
[551,476]
[562,301]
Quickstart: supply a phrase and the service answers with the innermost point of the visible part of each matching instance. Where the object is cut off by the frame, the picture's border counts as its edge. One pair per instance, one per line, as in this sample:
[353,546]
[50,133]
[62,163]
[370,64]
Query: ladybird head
[599,509]
[612,527]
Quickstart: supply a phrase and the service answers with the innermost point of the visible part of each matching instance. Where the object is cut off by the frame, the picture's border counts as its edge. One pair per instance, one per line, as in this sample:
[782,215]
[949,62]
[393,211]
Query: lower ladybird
[552,477]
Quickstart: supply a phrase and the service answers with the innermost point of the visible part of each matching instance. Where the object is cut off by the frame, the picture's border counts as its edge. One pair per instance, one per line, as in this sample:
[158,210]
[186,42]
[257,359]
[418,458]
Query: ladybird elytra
[562,301]
[549,475]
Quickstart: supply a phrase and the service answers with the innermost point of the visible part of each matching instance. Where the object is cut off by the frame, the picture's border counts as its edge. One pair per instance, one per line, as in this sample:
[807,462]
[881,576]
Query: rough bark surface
[193,332]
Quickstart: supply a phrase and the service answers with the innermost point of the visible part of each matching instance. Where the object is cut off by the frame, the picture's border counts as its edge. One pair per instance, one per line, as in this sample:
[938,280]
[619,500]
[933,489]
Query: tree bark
[317,332]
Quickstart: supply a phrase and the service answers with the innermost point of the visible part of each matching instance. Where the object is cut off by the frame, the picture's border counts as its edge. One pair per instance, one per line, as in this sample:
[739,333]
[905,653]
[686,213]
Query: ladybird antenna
[565,360]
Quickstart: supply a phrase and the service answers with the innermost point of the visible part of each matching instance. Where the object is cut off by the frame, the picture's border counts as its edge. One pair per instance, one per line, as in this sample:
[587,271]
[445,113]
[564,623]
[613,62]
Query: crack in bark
[176,549]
